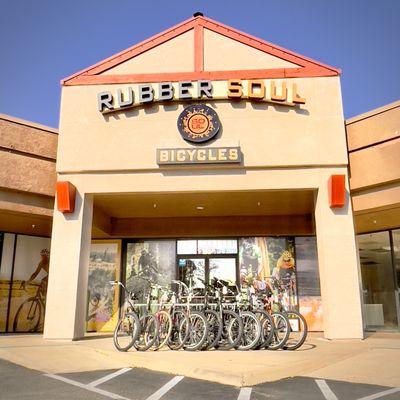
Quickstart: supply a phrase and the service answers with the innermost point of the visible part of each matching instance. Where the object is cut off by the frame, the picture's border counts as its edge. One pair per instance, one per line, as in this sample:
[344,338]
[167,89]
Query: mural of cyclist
[147,266]
[250,261]
[286,274]
[43,265]
[284,270]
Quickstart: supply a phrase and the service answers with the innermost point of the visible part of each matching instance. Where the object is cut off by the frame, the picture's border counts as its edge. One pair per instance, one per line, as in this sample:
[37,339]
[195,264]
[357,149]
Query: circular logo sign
[198,123]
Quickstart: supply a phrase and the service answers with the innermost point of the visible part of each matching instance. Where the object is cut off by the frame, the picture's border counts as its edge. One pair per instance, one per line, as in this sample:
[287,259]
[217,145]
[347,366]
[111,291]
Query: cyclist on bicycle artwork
[143,272]
[285,273]
[250,261]
[43,265]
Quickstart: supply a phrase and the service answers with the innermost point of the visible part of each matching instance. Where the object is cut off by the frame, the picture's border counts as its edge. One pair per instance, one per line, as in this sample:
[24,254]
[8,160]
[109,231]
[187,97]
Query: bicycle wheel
[298,330]
[232,330]
[126,332]
[281,331]
[180,330]
[165,329]
[251,331]
[28,315]
[214,329]
[198,331]
[267,328]
[149,327]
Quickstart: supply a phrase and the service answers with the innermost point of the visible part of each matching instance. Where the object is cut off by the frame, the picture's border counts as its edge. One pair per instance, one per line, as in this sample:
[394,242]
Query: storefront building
[27,180]
[374,148]
[204,150]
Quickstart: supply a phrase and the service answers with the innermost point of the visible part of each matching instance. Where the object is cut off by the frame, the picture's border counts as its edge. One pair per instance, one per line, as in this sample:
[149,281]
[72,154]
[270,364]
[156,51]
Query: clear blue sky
[43,41]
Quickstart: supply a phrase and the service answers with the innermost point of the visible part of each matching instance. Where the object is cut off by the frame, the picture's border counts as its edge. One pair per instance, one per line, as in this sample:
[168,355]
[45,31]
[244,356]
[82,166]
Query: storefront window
[222,268]
[207,246]
[308,283]
[187,247]
[149,261]
[216,246]
[7,251]
[396,256]
[29,286]
[192,272]
[104,266]
[269,261]
[378,282]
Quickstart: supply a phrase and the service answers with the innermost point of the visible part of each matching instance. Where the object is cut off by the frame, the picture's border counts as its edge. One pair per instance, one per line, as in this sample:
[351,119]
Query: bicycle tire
[161,341]
[251,331]
[198,321]
[230,317]
[133,335]
[180,324]
[18,314]
[214,328]
[292,344]
[267,328]
[281,324]
[148,323]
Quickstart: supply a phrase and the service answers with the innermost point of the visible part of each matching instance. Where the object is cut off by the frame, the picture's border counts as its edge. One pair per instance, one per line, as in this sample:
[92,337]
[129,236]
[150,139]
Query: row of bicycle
[218,319]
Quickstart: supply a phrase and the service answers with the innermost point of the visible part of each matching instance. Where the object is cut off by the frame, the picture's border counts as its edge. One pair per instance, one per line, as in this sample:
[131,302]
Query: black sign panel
[198,123]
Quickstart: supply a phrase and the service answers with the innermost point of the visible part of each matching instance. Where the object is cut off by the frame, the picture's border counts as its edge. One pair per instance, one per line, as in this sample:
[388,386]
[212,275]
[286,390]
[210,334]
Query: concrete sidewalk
[371,361]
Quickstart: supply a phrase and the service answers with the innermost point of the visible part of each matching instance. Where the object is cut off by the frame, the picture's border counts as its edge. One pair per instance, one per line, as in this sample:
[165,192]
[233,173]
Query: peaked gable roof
[305,67]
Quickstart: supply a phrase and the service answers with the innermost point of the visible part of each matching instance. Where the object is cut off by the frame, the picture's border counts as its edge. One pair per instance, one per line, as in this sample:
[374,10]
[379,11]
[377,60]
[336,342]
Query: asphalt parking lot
[17,382]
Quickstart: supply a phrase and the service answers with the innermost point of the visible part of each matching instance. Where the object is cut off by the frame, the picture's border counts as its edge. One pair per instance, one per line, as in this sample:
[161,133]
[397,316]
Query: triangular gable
[176,54]
[279,62]
[221,52]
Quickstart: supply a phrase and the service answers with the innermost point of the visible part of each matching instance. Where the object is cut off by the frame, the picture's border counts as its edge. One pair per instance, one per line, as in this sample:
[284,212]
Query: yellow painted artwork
[104,266]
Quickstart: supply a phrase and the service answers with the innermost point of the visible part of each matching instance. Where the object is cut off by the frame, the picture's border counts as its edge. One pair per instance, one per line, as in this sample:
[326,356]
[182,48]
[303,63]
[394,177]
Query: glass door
[200,260]
[378,283]
[222,268]
[192,271]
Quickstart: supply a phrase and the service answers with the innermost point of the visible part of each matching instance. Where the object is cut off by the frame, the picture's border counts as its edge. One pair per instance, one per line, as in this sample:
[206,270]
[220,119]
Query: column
[68,275]
[338,266]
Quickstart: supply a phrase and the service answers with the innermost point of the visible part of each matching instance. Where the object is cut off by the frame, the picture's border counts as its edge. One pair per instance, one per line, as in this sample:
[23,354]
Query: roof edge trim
[195,23]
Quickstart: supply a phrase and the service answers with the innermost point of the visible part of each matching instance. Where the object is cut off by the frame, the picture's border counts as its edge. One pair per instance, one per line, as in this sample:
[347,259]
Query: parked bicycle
[128,327]
[280,302]
[198,326]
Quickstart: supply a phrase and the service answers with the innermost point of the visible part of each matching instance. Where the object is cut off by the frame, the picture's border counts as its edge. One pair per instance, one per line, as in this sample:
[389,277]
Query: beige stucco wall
[222,53]
[374,127]
[374,148]
[311,135]
[176,55]
[27,176]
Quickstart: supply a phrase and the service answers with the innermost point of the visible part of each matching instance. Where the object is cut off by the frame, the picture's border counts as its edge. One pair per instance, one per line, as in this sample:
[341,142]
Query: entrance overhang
[188,214]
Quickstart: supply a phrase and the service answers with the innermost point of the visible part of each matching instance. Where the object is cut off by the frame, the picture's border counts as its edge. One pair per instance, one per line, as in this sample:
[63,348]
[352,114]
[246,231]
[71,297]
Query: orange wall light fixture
[337,191]
[66,193]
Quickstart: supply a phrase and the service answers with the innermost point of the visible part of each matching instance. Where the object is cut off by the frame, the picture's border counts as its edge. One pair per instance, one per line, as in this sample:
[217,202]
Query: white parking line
[380,394]
[109,376]
[245,393]
[87,387]
[326,390]
[164,389]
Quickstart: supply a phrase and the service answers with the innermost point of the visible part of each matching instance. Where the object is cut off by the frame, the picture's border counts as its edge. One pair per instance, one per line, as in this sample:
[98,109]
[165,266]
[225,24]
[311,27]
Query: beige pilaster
[68,277]
[338,267]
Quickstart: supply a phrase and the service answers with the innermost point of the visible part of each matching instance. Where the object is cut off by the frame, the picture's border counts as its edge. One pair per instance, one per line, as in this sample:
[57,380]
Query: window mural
[29,284]
[268,264]
[149,261]
[104,266]
[308,282]
[7,249]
